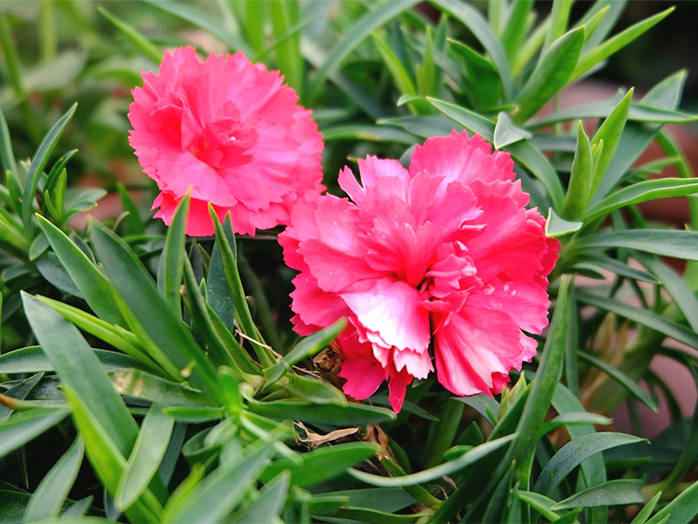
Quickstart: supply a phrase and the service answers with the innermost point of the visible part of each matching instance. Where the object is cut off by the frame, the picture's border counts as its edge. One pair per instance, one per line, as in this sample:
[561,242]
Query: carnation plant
[373,270]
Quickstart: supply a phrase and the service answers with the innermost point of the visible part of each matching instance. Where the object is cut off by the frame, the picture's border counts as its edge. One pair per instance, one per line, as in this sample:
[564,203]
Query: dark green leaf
[24,427]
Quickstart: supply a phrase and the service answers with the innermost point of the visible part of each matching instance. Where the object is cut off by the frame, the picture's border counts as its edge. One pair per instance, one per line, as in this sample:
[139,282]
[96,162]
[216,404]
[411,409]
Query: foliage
[169,363]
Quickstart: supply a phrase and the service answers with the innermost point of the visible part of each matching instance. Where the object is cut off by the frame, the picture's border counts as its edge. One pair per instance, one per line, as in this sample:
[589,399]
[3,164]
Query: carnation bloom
[442,258]
[228,132]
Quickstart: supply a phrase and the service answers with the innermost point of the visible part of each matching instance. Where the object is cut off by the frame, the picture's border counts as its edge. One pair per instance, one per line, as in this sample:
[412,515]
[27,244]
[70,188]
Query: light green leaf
[39,161]
[50,495]
[172,259]
[24,427]
[551,74]
[644,514]
[540,503]
[574,418]
[329,414]
[137,39]
[268,504]
[670,243]
[617,42]
[581,178]
[140,384]
[514,32]
[148,452]
[572,453]
[506,133]
[78,367]
[32,359]
[628,383]
[482,78]
[94,287]
[556,227]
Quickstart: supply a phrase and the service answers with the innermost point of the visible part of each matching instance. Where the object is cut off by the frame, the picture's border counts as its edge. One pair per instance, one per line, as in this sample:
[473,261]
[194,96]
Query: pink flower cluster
[441,262]
[440,258]
[228,132]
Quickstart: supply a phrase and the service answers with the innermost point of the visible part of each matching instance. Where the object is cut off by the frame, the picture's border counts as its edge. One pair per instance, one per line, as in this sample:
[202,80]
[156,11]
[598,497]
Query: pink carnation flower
[228,132]
[443,257]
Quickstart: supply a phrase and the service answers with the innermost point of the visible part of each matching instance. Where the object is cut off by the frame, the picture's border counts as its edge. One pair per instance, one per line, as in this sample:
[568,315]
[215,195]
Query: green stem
[49,42]
[444,432]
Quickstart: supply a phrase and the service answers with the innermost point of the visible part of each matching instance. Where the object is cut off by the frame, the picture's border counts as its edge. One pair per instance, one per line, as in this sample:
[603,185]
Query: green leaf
[360,29]
[140,384]
[506,133]
[39,161]
[614,10]
[559,17]
[79,368]
[38,247]
[160,324]
[307,347]
[540,503]
[548,375]
[221,491]
[7,156]
[137,39]
[476,23]
[551,74]
[682,509]
[32,359]
[329,414]
[646,511]
[572,453]
[482,78]
[609,133]
[642,192]
[116,336]
[628,383]
[322,464]
[133,219]
[368,133]
[24,427]
[269,503]
[643,317]
[172,259]
[612,493]
[198,19]
[483,404]
[514,32]
[107,460]
[574,418]
[556,227]
[670,243]
[146,456]
[581,178]
[428,475]
[617,42]
[598,263]
[50,495]
[314,390]
[94,287]
[194,415]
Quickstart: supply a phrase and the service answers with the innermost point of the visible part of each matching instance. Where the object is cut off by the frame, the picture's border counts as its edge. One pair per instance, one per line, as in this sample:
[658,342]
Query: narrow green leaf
[94,287]
[644,514]
[78,367]
[670,243]
[445,469]
[609,133]
[360,29]
[141,384]
[643,317]
[255,18]
[642,192]
[548,375]
[559,18]
[221,491]
[530,47]
[39,161]
[581,178]
[322,464]
[38,247]
[614,9]
[137,39]
[133,219]
[556,227]
[198,19]
[288,51]
[506,133]
[628,383]
[471,18]
[365,132]
[57,171]
[551,74]
[612,493]
[572,418]
[25,427]
[617,42]
[329,414]
[146,456]
[682,509]
[50,495]
[268,504]
[483,82]
[32,359]
[307,347]
[540,503]
[572,453]
[514,32]
[7,156]
[172,259]
[153,317]
[107,460]
[611,264]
